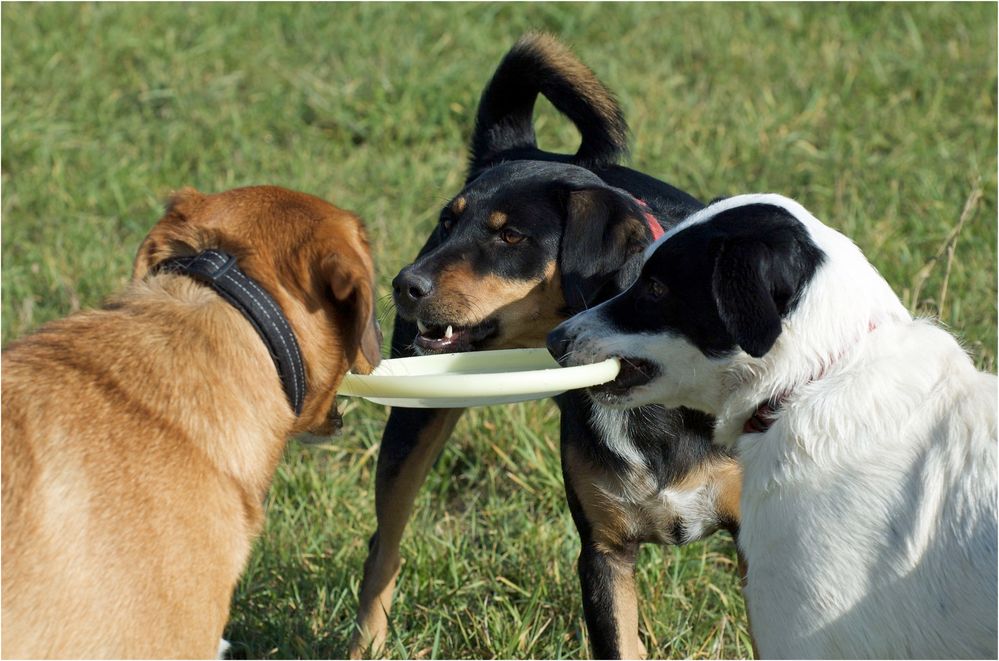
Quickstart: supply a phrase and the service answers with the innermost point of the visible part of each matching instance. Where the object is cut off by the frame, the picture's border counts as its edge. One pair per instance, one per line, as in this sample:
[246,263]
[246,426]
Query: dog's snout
[559,342]
[410,286]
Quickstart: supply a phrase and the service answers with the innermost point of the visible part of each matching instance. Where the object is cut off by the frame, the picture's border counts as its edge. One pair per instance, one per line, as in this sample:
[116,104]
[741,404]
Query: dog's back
[139,440]
[97,466]
[899,489]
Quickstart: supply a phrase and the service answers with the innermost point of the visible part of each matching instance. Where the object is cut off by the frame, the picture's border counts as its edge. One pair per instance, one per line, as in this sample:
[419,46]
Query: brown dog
[139,440]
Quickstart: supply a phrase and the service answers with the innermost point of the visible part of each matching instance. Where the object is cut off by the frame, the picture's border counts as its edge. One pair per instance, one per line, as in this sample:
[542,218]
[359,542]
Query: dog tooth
[448,332]
[422,326]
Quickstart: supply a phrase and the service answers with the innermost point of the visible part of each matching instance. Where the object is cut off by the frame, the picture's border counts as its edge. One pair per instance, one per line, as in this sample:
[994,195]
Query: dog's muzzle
[559,342]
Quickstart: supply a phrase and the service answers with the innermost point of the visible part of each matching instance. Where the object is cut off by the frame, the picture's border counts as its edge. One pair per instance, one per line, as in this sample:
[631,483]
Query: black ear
[762,265]
[603,230]
[743,292]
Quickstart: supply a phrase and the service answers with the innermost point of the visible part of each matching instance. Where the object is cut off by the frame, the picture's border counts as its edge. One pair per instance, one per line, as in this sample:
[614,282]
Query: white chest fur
[675,514]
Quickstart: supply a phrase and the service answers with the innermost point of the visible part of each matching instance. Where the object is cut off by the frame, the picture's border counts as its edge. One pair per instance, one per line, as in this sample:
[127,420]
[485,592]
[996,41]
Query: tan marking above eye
[458,205]
[497,219]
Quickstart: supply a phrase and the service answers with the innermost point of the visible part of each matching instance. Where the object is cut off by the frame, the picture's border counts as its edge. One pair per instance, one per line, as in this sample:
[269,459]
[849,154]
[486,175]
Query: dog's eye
[511,236]
[655,289]
[446,224]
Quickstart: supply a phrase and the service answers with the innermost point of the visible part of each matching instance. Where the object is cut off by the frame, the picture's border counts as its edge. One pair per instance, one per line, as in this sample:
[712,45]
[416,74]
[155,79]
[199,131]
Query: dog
[139,440]
[867,437]
[532,238]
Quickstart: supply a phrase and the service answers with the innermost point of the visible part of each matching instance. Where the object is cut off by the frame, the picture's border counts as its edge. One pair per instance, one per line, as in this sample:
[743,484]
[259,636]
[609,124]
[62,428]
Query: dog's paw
[223,649]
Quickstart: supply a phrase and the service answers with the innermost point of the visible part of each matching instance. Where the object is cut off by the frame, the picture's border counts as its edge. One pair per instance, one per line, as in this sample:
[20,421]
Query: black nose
[558,344]
[410,286]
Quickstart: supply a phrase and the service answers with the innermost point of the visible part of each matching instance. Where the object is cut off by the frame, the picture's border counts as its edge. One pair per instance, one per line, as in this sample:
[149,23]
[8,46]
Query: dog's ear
[351,283]
[761,268]
[174,235]
[743,290]
[603,229]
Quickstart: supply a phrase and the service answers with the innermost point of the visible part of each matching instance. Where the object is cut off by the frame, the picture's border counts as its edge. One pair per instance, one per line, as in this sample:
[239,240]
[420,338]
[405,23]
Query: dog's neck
[242,428]
[769,409]
[220,271]
[843,304]
[654,226]
[760,390]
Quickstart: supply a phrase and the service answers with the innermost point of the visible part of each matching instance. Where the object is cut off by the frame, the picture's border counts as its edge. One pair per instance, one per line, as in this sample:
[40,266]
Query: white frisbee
[477,378]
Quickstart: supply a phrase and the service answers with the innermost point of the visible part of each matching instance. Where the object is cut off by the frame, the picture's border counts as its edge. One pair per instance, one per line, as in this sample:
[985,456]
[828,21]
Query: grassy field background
[880,118]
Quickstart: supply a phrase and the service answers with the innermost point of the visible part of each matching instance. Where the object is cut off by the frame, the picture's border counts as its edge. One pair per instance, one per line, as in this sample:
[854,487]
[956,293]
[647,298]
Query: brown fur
[139,440]
[620,525]
[497,219]
[619,522]
[525,309]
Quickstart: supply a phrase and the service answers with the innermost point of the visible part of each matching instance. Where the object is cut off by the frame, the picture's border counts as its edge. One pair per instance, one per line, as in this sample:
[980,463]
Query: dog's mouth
[451,338]
[634,372]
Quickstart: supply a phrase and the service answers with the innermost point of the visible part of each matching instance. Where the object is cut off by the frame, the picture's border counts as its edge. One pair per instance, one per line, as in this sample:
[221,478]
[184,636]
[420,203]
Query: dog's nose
[559,342]
[410,286]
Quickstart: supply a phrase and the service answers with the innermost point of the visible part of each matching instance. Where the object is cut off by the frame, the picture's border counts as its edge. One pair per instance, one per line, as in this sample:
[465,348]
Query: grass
[880,118]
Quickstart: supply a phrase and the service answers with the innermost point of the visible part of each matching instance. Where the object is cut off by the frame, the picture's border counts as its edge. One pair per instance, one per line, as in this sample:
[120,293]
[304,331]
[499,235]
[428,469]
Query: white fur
[696,508]
[635,490]
[613,427]
[869,507]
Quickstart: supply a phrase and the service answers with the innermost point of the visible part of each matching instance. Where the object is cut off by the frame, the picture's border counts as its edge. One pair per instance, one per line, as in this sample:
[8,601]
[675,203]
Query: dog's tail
[539,63]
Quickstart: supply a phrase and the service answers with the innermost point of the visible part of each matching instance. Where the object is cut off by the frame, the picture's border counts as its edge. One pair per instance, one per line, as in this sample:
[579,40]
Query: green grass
[881,119]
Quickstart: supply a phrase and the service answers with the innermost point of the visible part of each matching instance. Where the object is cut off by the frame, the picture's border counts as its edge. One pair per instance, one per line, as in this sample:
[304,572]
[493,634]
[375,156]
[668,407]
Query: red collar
[763,417]
[654,226]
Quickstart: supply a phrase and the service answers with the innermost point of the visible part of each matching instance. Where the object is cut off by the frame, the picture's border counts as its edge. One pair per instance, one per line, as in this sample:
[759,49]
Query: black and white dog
[867,437]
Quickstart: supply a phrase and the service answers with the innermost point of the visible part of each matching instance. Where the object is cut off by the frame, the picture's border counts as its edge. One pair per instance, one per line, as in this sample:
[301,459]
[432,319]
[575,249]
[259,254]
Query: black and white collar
[219,270]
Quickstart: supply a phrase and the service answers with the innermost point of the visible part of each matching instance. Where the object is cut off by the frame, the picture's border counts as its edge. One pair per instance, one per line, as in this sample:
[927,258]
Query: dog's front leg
[412,440]
[606,565]
[610,603]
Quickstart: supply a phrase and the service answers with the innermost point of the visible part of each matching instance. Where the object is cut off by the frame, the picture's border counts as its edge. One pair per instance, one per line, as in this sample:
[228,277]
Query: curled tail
[539,63]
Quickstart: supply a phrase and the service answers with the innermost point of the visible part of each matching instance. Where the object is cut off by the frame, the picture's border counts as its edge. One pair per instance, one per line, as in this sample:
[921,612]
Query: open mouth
[450,338]
[634,372]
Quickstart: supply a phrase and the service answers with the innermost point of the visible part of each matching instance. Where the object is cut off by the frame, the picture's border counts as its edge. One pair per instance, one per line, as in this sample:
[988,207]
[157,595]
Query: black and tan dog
[533,238]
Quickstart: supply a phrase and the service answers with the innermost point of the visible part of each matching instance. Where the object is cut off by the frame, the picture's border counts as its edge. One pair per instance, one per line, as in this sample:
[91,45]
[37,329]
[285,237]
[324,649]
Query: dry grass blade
[946,248]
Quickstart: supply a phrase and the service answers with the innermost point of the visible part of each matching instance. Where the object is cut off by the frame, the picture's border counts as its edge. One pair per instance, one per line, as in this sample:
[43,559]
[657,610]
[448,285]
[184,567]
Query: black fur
[723,284]
[504,125]
[579,210]
[603,230]
[566,212]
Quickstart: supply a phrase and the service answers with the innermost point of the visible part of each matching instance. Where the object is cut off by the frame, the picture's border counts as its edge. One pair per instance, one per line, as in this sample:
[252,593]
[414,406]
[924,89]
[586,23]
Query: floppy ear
[173,235]
[743,288]
[351,284]
[603,229]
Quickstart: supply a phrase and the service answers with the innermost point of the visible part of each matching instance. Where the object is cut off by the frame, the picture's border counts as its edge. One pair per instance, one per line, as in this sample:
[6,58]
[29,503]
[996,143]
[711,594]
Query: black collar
[219,270]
